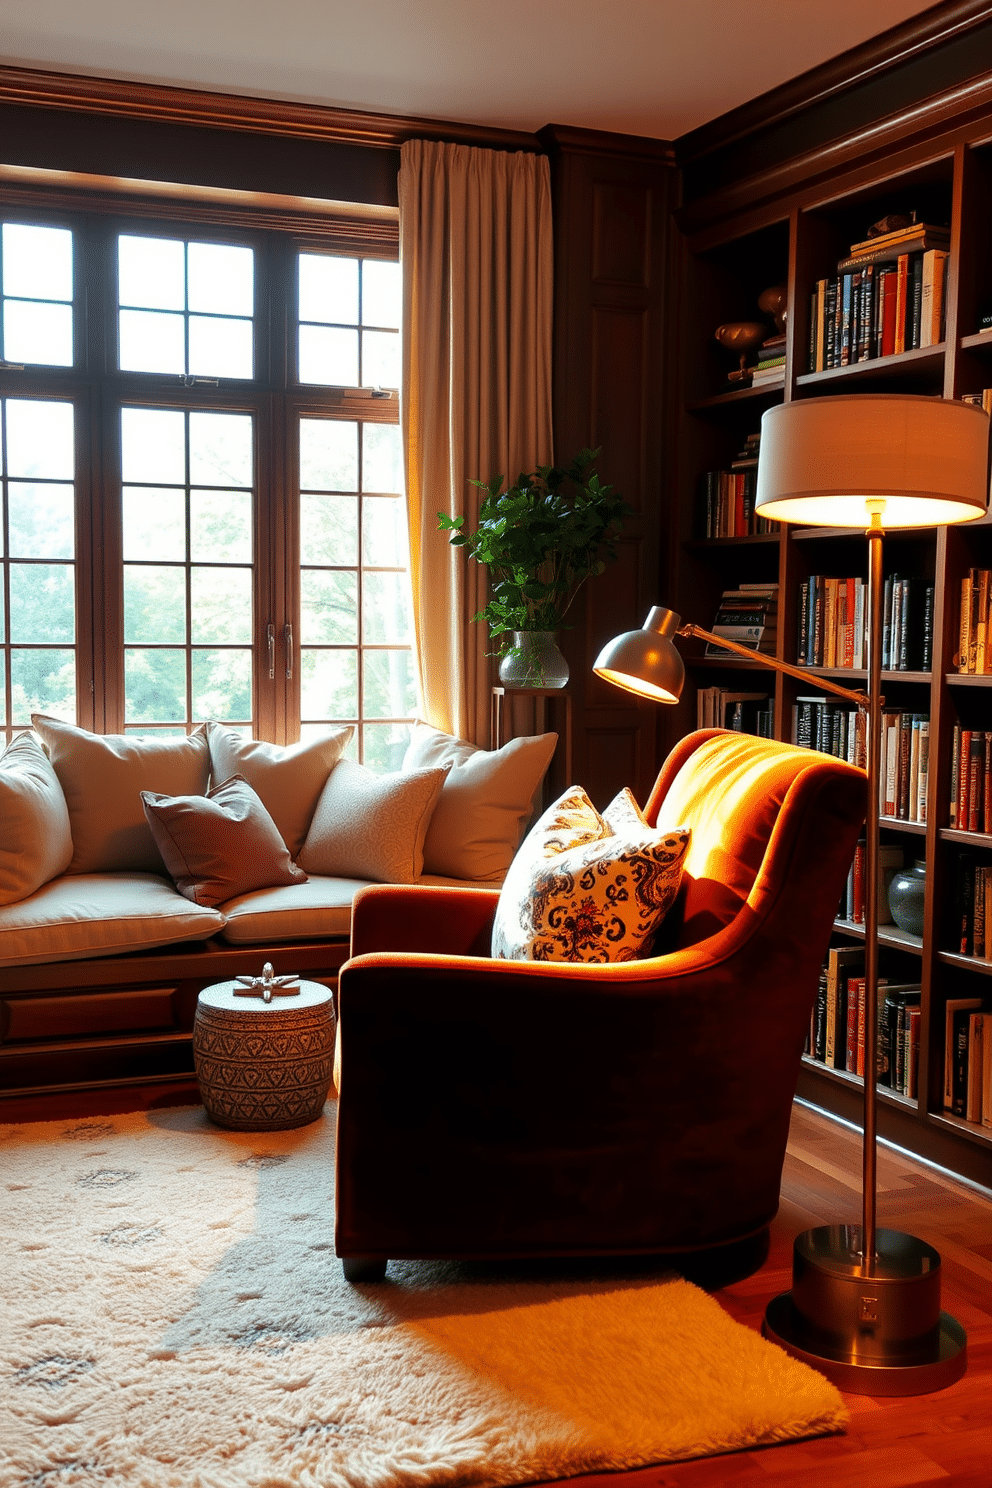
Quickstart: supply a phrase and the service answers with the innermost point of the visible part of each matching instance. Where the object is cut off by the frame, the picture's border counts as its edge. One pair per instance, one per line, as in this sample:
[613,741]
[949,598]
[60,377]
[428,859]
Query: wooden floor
[944,1438]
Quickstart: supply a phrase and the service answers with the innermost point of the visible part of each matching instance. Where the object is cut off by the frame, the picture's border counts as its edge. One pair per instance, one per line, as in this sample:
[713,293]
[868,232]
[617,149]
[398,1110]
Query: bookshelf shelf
[798,237]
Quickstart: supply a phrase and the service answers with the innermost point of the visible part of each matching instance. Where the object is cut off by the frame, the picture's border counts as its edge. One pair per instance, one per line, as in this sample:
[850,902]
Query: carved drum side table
[264,1062]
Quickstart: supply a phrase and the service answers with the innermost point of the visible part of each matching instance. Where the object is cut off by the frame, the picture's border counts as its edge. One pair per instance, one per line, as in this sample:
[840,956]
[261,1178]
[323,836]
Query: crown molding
[240,112]
[942,23]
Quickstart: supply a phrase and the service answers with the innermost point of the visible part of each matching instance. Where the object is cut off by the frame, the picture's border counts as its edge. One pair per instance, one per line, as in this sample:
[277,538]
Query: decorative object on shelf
[533,660]
[907,892]
[773,301]
[741,337]
[264,1065]
[864,1308]
[541,539]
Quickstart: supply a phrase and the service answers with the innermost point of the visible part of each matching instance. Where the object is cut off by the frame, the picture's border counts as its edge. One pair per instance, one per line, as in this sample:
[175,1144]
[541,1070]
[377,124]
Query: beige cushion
[597,900]
[371,826]
[35,840]
[320,909]
[219,845]
[102,777]
[288,780]
[101,914]
[486,801]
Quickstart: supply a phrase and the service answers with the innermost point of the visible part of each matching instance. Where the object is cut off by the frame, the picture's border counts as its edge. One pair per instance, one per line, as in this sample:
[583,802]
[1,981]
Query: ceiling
[650,67]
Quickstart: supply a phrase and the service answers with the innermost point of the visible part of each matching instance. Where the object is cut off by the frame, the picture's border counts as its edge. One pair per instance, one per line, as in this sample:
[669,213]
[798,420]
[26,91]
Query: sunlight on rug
[174,1316]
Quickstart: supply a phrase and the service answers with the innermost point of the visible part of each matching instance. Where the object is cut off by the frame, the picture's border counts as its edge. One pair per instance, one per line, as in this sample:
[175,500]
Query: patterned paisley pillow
[585,887]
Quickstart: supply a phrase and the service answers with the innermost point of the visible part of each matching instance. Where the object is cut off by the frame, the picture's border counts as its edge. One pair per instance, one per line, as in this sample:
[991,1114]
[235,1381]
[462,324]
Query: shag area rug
[174,1316]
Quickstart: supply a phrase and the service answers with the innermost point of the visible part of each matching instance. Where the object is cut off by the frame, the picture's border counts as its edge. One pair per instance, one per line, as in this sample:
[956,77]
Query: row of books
[888,296]
[971,780]
[973,908]
[838,729]
[747,712]
[749,616]
[833,621]
[726,497]
[837,1025]
[974,653]
[968,1059]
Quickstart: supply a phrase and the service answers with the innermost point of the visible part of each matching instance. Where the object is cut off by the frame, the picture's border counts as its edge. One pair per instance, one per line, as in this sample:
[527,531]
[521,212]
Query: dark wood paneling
[612,202]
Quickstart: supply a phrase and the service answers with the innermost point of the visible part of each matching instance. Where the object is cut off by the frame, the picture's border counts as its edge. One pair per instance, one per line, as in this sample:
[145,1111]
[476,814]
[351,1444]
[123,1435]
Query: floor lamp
[864,1307]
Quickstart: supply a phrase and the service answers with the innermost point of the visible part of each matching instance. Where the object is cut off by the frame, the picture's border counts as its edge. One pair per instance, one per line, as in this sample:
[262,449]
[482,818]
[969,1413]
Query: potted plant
[541,538]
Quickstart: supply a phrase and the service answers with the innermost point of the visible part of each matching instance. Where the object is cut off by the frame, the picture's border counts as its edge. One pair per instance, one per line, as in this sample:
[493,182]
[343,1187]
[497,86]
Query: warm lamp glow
[920,461]
[645,661]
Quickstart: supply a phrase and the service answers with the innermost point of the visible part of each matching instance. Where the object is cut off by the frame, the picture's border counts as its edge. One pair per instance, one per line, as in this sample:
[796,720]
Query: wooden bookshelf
[795,237]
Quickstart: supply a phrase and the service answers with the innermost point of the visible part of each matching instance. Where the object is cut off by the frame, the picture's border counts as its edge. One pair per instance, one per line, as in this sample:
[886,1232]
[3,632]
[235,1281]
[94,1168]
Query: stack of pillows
[225,815]
[589,887]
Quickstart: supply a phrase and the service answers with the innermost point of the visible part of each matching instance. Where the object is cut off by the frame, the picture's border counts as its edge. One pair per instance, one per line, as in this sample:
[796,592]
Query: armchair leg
[362,1268]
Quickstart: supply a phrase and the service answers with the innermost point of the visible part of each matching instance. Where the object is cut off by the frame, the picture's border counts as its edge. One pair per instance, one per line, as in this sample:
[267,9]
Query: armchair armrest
[423,918]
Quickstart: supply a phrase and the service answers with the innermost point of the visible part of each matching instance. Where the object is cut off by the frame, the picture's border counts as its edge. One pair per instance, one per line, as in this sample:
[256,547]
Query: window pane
[42,521]
[154,523]
[37,262]
[220,449]
[329,529]
[152,342]
[219,347]
[220,526]
[385,607]
[382,290]
[384,745]
[40,439]
[154,604]
[328,455]
[221,683]
[42,681]
[42,602]
[329,684]
[328,289]
[388,689]
[221,279]
[151,273]
[383,532]
[36,332]
[220,605]
[328,607]
[153,445]
[154,686]
[329,355]
[380,359]
[382,458]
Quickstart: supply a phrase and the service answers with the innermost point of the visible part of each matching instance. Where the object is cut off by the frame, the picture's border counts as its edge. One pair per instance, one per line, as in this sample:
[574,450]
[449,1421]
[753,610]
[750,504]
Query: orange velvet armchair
[500,1108]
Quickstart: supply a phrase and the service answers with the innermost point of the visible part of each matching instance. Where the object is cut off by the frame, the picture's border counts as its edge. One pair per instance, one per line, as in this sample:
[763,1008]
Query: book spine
[987,784]
[923,774]
[802,624]
[915,302]
[959,1085]
[855,993]
[887,624]
[846,289]
[926,648]
[976,1030]
[964,779]
[978,912]
[964,902]
[902,282]
[905,754]
[820,1019]
[964,624]
[982,625]
[913,1017]
[955,774]
[975,763]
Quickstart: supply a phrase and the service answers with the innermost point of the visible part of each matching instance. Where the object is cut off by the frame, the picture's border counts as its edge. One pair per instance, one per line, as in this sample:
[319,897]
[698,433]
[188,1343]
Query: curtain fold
[476,256]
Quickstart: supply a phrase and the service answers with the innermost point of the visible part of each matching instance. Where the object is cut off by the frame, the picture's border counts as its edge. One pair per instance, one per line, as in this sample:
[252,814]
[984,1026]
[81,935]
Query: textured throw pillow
[596,900]
[219,845]
[288,780]
[35,839]
[486,801]
[102,775]
[371,826]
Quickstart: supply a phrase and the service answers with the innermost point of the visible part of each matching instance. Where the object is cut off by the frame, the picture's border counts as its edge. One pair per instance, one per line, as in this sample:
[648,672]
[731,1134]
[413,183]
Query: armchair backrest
[730,789]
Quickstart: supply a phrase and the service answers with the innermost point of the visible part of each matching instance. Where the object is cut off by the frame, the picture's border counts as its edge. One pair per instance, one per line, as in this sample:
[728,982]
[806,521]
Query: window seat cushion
[100,914]
[319,909]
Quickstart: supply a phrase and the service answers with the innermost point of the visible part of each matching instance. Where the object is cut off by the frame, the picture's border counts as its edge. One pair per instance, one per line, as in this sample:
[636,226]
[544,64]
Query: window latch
[270,634]
[11,366]
[287,635]
[187,380]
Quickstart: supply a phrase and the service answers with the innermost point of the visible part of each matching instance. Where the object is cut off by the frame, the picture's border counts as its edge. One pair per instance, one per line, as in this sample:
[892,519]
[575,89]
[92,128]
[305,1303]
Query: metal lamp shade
[645,661]
[924,459]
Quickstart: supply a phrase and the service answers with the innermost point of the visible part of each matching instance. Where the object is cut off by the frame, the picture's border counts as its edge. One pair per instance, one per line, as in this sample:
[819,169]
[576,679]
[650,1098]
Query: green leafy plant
[541,539]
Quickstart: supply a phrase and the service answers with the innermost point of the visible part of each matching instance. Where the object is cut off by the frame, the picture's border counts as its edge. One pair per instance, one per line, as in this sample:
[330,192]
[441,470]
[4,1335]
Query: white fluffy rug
[174,1316]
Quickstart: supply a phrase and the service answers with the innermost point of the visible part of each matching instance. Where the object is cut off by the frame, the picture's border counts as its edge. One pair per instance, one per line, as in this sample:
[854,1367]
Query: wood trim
[599,143]
[861,64]
[245,113]
[958,110]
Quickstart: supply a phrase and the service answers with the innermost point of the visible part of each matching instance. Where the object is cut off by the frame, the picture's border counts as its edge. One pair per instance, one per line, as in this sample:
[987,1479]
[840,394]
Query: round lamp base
[874,1332]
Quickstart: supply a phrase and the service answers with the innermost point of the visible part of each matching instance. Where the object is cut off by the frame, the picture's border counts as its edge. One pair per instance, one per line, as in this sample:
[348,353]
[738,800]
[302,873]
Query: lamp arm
[860,698]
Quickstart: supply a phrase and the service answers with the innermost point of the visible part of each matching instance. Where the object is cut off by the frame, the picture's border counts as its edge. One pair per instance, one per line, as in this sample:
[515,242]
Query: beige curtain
[476,253]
